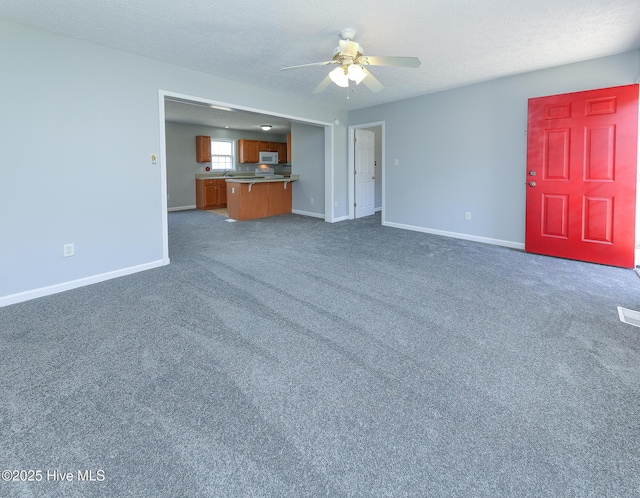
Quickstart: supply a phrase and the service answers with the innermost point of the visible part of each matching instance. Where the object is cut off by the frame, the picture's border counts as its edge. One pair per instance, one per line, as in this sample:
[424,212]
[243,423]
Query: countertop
[246,178]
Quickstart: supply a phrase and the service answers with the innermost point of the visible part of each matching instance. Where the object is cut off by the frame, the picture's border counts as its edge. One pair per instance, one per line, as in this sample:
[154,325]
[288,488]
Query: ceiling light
[356,73]
[339,77]
[265,127]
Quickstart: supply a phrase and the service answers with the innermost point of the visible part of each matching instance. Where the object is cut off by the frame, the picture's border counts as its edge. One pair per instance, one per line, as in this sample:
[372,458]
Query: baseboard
[181,208]
[308,213]
[456,235]
[340,218]
[74,284]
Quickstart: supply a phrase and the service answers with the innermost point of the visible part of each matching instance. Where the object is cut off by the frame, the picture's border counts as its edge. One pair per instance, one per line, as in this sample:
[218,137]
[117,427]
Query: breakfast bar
[251,198]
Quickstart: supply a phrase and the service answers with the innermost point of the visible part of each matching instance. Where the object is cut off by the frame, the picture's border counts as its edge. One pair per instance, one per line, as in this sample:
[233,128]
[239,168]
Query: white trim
[163,178]
[309,213]
[74,284]
[341,218]
[181,208]
[329,174]
[456,235]
[351,165]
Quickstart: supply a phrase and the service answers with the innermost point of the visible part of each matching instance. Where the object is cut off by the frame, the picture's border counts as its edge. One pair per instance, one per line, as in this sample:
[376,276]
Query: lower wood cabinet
[211,194]
[279,198]
[247,201]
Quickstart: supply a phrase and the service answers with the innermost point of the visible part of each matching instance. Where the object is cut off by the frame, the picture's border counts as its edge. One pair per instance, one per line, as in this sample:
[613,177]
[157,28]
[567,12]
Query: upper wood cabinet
[248,151]
[269,146]
[282,152]
[203,149]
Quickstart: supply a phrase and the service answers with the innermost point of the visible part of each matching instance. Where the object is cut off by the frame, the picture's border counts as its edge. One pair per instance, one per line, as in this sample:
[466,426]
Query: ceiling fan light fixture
[356,73]
[339,77]
[265,127]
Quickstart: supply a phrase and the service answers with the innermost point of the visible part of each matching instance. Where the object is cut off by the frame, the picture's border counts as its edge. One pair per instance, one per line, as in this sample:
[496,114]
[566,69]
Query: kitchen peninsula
[251,198]
[248,198]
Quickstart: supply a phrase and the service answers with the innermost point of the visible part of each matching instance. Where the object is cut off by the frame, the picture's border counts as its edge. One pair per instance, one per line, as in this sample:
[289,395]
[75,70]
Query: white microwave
[268,157]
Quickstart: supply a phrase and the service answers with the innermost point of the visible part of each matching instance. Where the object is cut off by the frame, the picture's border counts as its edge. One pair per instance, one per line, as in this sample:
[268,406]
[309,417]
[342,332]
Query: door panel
[581,175]
[365,188]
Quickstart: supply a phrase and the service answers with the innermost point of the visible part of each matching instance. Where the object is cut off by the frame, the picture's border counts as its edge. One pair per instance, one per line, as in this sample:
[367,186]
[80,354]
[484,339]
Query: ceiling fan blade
[323,85]
[372,82]
[348,48]
[324,63]
[375,60]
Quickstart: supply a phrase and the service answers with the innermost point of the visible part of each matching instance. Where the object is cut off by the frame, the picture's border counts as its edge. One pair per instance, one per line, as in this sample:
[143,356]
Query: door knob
[532,184]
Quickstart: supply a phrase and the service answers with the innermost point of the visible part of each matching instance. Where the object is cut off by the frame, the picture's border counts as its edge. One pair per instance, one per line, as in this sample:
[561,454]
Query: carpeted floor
[288,357]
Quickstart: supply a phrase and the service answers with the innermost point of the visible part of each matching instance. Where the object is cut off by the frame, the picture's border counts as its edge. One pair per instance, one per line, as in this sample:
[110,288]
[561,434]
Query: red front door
[581,175]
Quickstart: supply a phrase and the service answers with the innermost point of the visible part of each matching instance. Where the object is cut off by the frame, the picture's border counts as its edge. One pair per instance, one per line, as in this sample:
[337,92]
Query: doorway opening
[328,131]
[366,180]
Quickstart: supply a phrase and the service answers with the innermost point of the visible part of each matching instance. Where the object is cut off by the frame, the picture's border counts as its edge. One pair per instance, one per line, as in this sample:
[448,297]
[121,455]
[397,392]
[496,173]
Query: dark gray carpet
[289,357]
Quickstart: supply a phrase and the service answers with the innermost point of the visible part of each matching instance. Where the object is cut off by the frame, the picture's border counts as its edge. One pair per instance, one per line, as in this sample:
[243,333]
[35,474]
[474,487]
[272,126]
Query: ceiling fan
[351,62]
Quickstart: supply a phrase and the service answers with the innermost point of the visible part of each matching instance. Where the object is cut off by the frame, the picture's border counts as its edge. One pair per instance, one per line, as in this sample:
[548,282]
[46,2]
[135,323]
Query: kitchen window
[222,154]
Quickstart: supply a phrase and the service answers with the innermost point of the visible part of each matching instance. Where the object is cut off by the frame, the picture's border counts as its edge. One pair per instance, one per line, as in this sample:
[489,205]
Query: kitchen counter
[263,179]
[259,197]
[249,178]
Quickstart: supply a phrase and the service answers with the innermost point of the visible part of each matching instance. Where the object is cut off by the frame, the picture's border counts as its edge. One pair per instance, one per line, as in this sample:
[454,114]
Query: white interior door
[365,184]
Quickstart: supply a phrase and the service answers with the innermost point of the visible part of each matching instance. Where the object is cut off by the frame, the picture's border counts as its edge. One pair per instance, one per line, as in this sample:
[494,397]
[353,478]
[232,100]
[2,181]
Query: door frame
[351,168]
[329,163]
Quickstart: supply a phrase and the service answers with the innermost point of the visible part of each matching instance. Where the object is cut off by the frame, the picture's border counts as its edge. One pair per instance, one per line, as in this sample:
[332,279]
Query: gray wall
[307,160]
[181,157]
[465,149]
[78,125]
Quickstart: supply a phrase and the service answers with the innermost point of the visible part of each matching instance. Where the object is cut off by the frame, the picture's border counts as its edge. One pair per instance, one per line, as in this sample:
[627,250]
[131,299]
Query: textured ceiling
[458,41]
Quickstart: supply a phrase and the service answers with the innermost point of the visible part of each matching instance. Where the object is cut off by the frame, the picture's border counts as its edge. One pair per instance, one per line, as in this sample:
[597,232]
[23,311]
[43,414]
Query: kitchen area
[246,195]
[262,170]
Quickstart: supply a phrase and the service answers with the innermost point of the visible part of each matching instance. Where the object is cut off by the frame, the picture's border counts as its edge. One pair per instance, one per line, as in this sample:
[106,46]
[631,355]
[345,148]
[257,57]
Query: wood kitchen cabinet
[268,146]
[280,199]
[282,152]
[211,194]
[248,151]
[258,200]
[203,149]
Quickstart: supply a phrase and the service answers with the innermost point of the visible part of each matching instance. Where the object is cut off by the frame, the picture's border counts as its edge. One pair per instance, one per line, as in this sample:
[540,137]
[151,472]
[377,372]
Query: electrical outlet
[311,200]
[335,204]
[467,215]
[396,162]
[68,250]
[154,158]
